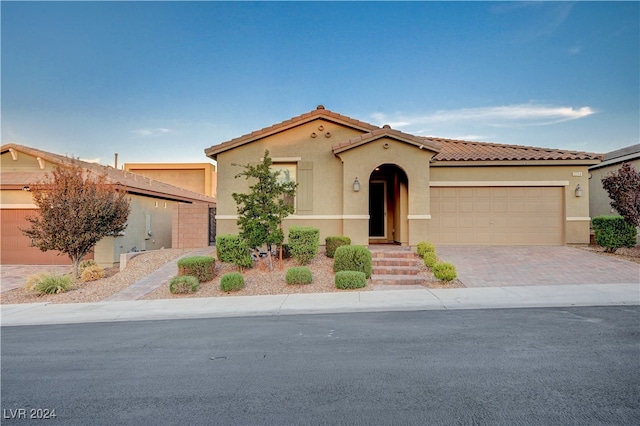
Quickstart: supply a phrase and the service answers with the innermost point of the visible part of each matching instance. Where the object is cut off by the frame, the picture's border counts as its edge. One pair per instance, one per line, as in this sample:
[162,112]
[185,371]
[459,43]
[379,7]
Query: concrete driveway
[485,266]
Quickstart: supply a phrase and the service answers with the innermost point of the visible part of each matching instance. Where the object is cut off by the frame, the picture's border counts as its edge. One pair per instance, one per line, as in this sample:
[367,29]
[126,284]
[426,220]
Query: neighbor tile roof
[319,112]
[457,150]
[132,182]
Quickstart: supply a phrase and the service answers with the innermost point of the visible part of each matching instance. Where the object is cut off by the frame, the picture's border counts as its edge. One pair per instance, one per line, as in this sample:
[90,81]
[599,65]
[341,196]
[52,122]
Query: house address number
[577,174]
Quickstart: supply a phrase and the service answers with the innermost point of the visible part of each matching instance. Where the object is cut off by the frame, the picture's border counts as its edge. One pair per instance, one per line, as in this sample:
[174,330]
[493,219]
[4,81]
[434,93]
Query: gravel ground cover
[95,291]
[257,282]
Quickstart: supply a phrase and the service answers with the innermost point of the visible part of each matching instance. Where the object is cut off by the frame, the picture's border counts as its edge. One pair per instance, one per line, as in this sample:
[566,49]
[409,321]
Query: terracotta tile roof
[319,112]
[386,131]
[133,182]
[457,150]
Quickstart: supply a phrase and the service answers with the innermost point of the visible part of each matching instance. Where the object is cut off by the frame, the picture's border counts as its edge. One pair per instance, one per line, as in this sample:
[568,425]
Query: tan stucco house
[599,202]
[161,215]
[378,184]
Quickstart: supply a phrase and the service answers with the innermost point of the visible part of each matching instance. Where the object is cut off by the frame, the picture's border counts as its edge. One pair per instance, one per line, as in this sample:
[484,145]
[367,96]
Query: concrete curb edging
[320,303]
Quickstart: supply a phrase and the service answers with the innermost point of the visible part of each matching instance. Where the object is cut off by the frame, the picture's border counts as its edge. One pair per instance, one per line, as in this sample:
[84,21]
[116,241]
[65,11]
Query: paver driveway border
[509,266]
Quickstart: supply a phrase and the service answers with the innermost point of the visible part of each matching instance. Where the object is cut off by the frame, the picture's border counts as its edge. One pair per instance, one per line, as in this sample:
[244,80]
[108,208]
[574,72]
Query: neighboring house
[196,177]
[377,184]
[599,201]
[161,215]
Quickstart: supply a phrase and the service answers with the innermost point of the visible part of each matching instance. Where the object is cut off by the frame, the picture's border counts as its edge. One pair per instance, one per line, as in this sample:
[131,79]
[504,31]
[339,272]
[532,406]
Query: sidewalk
[321,303]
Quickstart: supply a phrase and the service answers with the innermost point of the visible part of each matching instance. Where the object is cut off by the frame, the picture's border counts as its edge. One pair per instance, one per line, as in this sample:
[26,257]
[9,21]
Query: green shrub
[232,249]
[353,258]
[85,264]
[45,283]
[430,259]
[91,273]
[304,242]
[201,267]
[444,271]
[613,232]
[350,279]
[299,275]
[232,281]
[332,243]
[425,247]
[184,284]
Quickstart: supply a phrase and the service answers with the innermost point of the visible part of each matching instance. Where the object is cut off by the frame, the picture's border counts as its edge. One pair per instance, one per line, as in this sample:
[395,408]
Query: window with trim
[287,174]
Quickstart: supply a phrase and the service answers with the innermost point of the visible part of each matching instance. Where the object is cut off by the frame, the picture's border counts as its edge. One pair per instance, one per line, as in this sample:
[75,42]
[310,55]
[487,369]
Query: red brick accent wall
[190,225]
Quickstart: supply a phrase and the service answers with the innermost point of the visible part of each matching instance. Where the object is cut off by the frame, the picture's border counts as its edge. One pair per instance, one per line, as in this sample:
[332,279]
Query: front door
[377,209]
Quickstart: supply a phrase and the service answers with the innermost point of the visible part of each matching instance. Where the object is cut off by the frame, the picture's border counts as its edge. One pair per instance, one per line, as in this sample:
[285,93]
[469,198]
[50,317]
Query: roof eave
[421,144]
[213,151]
[457,163]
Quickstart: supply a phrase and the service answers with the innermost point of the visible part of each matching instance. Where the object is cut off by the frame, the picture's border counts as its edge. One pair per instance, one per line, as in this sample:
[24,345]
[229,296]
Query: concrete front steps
[394,265]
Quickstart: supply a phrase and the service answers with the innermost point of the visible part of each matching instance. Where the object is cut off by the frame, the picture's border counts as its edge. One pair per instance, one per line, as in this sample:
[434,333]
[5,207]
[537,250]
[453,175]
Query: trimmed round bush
[201,267]
[350,279]
[613,232]
[444,271]
[332,243]
[304,242]
[91,273]
[430,259]
[299,275]
[232,249]
[184,284]
[232,281]
[425,247]
[353,258]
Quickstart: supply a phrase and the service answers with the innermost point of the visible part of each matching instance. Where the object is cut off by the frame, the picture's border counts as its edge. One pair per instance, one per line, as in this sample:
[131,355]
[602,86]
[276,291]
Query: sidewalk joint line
[280,307]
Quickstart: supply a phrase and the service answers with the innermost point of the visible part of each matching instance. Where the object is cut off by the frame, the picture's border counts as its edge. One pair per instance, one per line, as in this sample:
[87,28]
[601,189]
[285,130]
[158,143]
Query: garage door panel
[517,206]
[501,215]
[483,207]
[15,248]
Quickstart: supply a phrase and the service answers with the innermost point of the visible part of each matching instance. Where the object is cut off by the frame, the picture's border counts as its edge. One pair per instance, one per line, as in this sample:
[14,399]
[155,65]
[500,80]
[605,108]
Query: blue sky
[162,81]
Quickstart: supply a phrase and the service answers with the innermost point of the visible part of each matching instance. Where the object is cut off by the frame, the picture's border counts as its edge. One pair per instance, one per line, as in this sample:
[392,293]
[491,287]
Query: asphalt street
[569,366]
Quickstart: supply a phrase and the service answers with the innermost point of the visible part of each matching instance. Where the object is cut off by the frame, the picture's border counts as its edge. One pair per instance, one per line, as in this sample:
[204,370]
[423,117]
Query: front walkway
[500,266]
[159,277]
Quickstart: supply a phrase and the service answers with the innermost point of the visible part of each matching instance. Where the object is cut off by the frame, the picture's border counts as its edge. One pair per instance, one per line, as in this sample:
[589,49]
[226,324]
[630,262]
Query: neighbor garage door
[497,215]
[15,245]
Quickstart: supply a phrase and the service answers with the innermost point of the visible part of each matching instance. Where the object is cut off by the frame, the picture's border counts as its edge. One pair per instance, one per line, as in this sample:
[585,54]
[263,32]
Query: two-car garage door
[497,215]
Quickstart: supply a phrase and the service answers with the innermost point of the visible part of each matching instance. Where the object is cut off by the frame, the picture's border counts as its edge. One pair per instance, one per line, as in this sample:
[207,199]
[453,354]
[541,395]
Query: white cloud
[499,116]
[151,132]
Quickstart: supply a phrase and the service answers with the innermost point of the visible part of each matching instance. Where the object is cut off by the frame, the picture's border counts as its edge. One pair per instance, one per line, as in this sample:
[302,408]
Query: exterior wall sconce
[578,191]
[356,185]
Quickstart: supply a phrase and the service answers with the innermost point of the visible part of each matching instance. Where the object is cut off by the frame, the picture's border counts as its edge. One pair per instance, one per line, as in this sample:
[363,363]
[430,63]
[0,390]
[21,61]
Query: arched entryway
[388,205]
